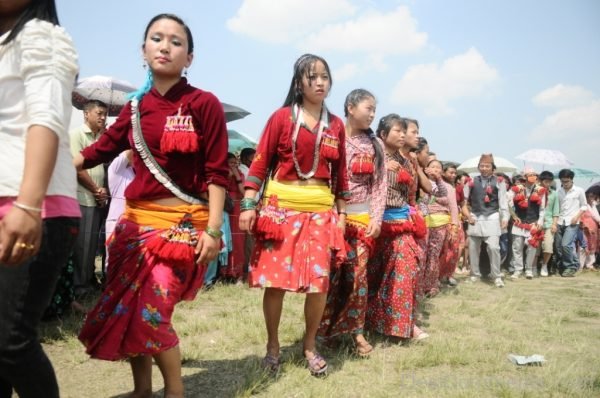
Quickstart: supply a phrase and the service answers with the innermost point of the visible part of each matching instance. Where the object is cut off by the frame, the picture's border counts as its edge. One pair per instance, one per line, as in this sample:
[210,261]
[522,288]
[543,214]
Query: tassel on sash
[179,135]
[270,218]
[330,147]
[362,164]
[177,243]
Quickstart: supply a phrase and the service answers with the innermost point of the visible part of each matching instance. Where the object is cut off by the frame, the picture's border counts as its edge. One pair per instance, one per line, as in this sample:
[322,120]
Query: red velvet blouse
[276,141]
[192,172]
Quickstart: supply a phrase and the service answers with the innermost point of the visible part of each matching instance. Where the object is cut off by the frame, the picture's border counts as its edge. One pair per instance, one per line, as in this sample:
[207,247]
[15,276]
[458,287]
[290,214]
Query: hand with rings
[24,245]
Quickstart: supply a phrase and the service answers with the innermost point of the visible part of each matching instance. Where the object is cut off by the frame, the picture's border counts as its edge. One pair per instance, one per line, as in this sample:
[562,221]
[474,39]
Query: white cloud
[346,72]
[574,123]
[434,86]
[373,32]
[574,127]
[284,21]
[561,96]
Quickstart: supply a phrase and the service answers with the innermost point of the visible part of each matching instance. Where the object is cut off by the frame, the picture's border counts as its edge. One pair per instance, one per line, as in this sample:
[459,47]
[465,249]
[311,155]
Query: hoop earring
[145,65]
[185,72]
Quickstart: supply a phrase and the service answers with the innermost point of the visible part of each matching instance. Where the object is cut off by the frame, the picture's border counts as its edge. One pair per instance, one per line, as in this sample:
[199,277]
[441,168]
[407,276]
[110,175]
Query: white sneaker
[498,282]
[515,275]
[528,274]
[544,271]
[474,279]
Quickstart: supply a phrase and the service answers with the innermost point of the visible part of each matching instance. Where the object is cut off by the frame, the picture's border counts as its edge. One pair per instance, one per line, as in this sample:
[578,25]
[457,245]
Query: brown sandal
[271,364]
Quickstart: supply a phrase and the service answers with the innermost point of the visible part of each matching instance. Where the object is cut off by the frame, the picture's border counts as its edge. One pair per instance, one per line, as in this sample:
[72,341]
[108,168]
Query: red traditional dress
[452,245]
[296,233]
[152,265]
[392,270]
[346,306]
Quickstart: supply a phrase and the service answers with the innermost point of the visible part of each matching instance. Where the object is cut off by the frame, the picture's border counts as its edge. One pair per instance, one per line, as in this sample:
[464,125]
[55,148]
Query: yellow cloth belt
[360,218]
[437,220]
[162,217]
[304,198]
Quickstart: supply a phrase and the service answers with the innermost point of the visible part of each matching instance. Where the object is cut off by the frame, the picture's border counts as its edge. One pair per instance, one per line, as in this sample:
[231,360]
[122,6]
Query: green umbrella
[239,141]
[581,173]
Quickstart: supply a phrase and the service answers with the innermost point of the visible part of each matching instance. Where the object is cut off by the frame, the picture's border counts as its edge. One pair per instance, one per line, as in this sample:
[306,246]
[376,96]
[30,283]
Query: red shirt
[192,172]
[276,140]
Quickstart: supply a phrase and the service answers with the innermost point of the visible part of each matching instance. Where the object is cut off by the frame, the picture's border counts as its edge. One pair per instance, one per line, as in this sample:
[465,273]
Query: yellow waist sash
[437,220]
[163,217]
[305,198]
[359,218]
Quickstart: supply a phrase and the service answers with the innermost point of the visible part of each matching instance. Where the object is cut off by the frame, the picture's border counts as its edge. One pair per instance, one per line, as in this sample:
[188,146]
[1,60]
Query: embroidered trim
[158,173]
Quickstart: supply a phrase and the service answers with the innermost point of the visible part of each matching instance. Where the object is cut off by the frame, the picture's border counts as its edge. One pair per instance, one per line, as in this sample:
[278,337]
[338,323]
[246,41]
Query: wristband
[213,233]
[27,208]
[342,212]
[238,181]
[248,204]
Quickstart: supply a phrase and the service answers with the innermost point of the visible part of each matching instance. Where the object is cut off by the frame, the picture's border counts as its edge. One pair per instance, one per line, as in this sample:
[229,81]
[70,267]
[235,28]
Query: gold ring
[22,245]
[30,246]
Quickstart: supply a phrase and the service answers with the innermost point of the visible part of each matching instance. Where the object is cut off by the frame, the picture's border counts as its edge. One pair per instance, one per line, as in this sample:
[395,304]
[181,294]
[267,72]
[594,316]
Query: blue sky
[479,75]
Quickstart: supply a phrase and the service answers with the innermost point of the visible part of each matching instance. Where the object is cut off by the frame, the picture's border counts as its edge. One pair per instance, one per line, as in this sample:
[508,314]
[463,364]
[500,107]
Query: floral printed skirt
[133,315]
[346,306]
[301,261]
[392,278]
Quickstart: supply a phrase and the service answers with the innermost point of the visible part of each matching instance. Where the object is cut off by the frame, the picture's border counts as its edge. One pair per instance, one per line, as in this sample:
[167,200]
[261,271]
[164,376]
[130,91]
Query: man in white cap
[486,209]
[526,203]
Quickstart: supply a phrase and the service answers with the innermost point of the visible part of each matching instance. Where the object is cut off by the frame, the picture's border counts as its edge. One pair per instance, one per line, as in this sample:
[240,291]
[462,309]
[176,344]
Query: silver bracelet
[27,208]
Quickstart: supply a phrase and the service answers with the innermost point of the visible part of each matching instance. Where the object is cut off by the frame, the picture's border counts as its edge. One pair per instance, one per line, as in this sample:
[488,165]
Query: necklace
[299,121]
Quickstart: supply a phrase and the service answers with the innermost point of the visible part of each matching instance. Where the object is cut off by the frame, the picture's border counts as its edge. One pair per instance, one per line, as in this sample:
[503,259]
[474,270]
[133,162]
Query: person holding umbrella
[171,225]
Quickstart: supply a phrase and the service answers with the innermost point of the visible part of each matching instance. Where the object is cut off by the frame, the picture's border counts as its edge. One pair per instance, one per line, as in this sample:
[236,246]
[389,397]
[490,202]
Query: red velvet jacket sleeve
[209,112]
[265,153]
[338,167]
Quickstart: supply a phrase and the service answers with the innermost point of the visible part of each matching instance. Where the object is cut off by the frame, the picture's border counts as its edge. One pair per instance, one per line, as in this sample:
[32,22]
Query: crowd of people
[366,223]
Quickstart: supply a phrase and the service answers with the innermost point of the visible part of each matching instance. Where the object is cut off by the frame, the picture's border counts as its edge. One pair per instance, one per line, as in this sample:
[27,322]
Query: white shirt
[37,74]
[244,169]
[570,204]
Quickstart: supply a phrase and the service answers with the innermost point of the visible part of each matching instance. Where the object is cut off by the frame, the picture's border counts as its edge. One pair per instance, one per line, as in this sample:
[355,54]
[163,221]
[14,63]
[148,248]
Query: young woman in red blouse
[171,226]
[301,162]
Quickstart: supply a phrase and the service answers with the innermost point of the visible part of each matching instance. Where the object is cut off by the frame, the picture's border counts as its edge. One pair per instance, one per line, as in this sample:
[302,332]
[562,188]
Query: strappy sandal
[363,349]
[271,364]
[314,365]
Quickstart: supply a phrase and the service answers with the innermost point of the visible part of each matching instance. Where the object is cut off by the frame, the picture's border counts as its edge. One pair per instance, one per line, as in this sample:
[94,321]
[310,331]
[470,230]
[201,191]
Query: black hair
[352,99]
[449,165]
[91,104]
[246,153]
[44,10]
[435,160]
[431,153]
[387,122]
[546,175]
[566,173]
[231,156]
[302,68]
[355,97]
[517,178]
[175,18]
[409,121]
[421,144]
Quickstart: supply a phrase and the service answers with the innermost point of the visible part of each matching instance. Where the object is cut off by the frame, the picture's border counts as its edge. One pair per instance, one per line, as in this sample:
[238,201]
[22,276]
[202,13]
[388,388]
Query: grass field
[473,328]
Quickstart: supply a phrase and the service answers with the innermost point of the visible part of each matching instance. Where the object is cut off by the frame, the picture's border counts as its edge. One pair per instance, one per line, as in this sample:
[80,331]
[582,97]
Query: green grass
[473,328]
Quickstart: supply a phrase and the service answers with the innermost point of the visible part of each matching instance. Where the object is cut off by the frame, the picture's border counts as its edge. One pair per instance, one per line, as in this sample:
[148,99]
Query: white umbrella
[111,91]
[502,165]
[233,112]
[545,156]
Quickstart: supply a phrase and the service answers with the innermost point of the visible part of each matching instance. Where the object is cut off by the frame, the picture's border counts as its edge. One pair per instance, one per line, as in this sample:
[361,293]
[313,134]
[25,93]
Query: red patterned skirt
[429,274]
[346,306]
[133,315]
[392,275]
[301,261]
